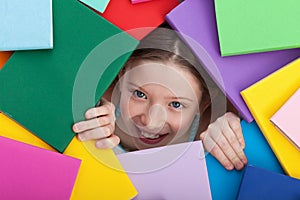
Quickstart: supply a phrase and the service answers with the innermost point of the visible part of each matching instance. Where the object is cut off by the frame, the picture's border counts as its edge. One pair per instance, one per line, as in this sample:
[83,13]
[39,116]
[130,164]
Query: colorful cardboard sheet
[170,172]
[127,16]
[29,172]
[26,25]
[4,56]
[286,119]
[60,84]
[247,27]
[260,184]
[96,4]
[225,184]
[95,180]
[10,129]
[264,98]
[139,1]
[195,21]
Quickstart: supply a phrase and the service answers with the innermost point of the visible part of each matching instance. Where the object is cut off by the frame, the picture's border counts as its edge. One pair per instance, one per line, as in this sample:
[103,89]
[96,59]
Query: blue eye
[139,94]
[176,104]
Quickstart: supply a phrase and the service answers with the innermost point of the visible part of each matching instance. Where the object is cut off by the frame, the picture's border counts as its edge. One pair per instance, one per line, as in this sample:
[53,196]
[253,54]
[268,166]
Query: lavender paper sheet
[169,172]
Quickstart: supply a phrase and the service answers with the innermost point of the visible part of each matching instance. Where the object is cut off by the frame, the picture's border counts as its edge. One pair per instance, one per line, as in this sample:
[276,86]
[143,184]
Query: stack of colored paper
[264,98]
[195,21]
[58,86]
[94,176]
[140,19]
[225,184]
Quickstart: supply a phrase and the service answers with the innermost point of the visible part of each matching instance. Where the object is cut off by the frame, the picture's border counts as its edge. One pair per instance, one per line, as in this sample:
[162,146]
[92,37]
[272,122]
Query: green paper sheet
[46,91]
[257,26]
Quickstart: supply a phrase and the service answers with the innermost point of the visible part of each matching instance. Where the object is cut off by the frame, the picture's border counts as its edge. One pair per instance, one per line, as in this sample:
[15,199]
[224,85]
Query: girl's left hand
[224,140]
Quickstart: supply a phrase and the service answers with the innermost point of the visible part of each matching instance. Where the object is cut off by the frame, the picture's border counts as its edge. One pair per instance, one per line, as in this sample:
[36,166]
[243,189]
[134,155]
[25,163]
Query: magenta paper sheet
[28,172]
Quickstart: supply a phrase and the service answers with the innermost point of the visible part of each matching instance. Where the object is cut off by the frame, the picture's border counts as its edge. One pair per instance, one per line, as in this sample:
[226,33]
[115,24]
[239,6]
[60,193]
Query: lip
[151,141]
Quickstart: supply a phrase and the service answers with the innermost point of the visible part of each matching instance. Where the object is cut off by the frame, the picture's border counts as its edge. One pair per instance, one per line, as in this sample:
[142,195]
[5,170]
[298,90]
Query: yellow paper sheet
[264,98]
[94,180]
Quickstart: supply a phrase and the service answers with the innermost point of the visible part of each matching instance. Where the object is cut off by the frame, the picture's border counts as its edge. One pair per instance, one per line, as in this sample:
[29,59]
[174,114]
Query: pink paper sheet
[287,119]
[139,1]
[28,172]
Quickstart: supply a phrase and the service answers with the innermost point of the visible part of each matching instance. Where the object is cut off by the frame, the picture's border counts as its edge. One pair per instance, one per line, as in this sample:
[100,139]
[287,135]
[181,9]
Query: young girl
[161,98]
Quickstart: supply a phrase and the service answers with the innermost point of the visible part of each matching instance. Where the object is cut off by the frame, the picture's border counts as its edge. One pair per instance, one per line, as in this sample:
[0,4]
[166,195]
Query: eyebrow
[131,83]
[181,98]
[171,98]
[135,85]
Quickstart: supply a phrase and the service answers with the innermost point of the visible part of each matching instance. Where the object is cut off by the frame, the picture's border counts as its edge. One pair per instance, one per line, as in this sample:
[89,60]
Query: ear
[207,99]
[204,105]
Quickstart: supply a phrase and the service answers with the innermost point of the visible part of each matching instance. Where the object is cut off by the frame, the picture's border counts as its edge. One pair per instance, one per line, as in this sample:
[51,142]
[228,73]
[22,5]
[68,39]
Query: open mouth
[150,138]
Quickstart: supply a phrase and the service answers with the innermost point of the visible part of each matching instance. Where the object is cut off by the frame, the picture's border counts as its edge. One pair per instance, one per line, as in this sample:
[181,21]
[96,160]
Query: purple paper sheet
[170,172]
[196,20]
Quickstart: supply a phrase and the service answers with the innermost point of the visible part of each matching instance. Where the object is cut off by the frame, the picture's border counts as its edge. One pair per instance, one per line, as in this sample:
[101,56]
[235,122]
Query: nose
[155,118]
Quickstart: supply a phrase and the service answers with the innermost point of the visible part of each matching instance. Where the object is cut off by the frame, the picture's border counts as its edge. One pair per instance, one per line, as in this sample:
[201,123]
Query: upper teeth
[147,135]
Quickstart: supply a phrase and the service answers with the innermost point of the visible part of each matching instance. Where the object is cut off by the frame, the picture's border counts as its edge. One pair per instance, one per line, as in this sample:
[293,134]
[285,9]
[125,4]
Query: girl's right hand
[99,125]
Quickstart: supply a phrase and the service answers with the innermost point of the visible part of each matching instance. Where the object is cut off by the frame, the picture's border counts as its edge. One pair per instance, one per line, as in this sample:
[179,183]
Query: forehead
[178,80]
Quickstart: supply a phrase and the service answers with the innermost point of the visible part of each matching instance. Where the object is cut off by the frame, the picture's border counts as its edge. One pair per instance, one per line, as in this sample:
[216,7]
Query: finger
[217,135]
[233,141]
[108,143]
[111,105]
[92,123]
[102,110]
[210,146]
[234,123]
[229,152]
[97,133]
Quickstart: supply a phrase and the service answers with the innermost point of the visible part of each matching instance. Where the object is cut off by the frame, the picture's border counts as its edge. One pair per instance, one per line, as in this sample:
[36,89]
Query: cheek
[130,108]
[180,122]
[124,105]
[175,121]
[133,108]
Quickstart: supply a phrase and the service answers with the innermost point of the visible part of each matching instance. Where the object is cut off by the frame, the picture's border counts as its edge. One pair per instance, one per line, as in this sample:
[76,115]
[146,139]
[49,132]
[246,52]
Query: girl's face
[158,104]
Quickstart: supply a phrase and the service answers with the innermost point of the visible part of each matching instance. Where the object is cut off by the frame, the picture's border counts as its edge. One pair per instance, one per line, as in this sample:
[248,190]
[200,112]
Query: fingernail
[75,128]
[229,166]
[241,143]
[107,144]
[100,145]
[244,160]
[88,114]
[239,166]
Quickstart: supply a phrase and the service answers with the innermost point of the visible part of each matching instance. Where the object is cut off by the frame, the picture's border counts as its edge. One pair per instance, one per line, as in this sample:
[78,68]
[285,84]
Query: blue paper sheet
[225,184]
[99,5]
[25,25]
[260,184]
